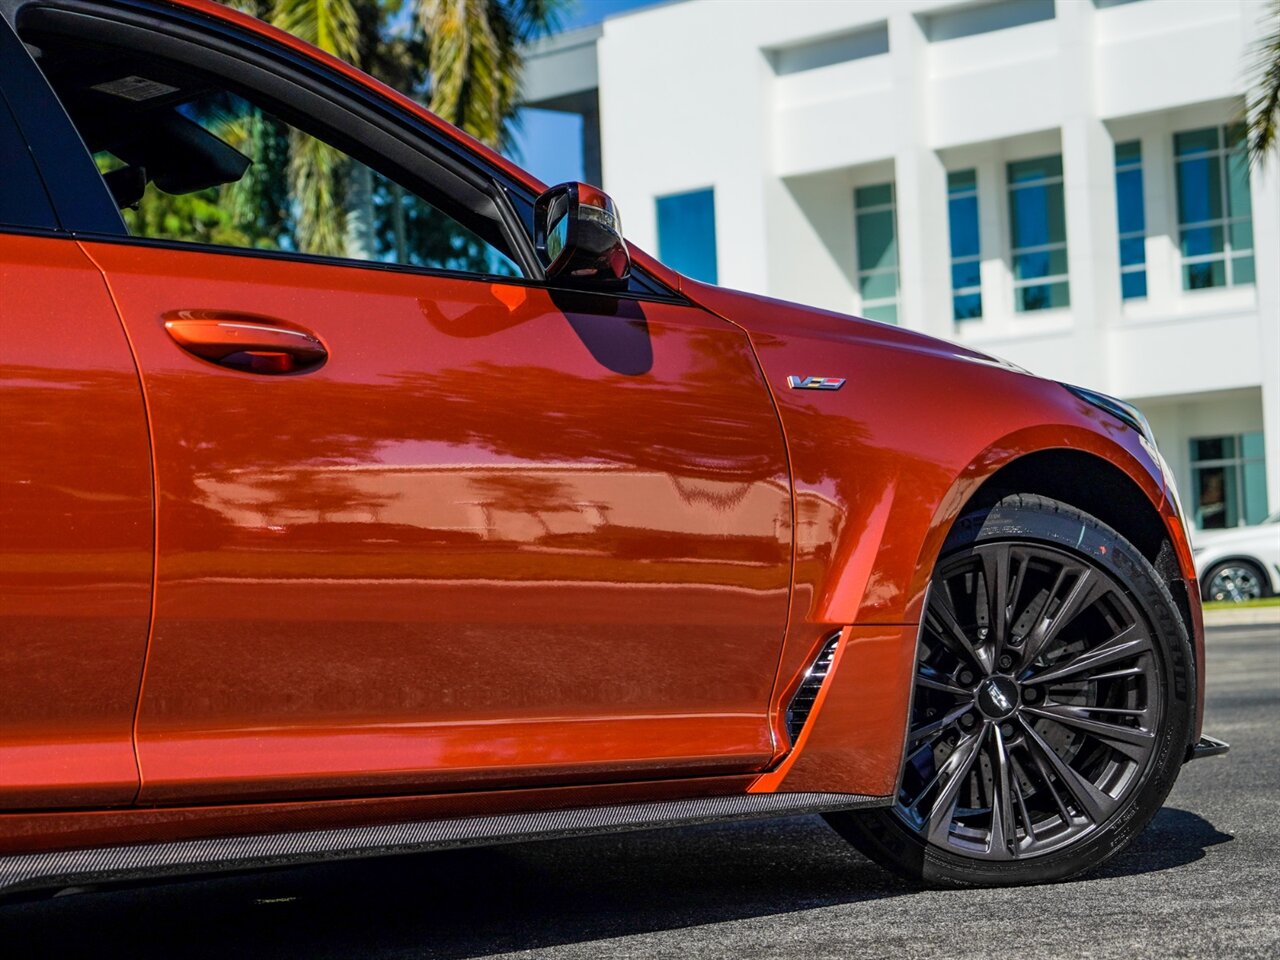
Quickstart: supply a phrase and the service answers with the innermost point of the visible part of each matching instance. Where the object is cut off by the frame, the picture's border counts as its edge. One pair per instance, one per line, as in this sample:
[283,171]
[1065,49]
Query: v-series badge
[815,383]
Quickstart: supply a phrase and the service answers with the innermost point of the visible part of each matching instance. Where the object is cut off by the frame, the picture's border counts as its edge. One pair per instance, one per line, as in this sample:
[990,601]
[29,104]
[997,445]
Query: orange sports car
[418,509]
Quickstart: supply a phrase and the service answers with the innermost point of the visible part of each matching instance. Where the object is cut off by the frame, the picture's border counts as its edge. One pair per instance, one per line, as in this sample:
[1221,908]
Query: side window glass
[23,201]
[216,169]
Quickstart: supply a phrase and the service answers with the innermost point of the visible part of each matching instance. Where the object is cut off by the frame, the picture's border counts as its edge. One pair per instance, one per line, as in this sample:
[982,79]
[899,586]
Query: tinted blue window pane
[1037,214]
[1133,251]
[1196,141]
[966,274]
[1129,152]
[1129,200]
[964,226]
[1133,285]
[1241,235]
[885,313]
[1196,276]
[1201,241]
[877,246]
[968,306]
[1242,269]
[959,181]
[1043,297]
[1037,169]
[1040,263]
[879,195]
[1213,448]
[687,233]
[879,286]
[1239,200]
[1199,190]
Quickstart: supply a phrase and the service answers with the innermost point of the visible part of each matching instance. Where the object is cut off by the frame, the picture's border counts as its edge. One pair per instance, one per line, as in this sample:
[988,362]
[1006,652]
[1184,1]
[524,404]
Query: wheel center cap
[997,697]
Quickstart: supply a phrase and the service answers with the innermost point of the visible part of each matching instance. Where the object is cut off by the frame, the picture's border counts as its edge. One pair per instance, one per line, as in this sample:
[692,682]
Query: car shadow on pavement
[1173,839]
[471,903]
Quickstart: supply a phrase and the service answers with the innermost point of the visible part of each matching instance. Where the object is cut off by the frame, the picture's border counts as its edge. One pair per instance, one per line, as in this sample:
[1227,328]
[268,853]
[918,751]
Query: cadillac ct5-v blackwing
[360,495]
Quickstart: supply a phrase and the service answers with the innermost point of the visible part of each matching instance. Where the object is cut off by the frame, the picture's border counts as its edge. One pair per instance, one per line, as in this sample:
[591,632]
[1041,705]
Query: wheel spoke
[995,577]
[1128,643]
[1047,779]
[1076,588]
[1004,833]
[1093,803]
[930,730]
[927,676]
[1114,674]
[1133,742]
[1017,775]
[952,634]
[953,775]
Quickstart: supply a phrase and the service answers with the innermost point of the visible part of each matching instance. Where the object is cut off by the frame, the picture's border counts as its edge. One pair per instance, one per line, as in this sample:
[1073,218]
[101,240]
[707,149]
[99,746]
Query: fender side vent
[802,703]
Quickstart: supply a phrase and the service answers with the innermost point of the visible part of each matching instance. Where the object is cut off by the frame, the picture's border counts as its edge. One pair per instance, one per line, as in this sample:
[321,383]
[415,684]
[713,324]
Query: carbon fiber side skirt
[63,868]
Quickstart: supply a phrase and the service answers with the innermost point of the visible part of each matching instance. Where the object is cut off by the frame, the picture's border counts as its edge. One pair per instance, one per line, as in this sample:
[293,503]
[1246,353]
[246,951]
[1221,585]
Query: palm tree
[1263,108]
[464,55]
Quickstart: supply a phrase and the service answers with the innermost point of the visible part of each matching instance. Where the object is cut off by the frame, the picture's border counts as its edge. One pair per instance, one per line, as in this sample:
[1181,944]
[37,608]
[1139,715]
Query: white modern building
[1054,181]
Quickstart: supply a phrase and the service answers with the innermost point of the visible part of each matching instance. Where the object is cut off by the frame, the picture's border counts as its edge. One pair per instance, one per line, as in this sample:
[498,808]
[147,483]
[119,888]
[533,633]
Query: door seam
[155,514]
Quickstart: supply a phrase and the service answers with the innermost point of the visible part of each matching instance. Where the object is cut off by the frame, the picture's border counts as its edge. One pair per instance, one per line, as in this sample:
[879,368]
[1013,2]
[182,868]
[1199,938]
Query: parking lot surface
[1201,882]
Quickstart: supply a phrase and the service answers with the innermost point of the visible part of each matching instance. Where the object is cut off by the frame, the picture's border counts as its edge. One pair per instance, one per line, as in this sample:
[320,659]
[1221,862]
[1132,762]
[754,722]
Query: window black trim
[62,163]
[287,256]
[193,29]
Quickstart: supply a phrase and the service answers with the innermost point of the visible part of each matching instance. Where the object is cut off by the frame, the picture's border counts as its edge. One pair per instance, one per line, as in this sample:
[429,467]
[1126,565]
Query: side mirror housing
[578,236]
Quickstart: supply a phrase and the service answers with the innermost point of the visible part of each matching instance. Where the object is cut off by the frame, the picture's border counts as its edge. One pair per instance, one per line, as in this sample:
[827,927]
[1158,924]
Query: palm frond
[331,25]
[475,58]
[1262,111]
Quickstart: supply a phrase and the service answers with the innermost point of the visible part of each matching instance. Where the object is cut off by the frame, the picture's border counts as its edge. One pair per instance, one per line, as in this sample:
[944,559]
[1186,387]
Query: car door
[75,495]
[477,532]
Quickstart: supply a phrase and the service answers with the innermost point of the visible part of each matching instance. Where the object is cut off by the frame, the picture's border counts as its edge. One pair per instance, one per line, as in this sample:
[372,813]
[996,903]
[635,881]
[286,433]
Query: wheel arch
[1099,487]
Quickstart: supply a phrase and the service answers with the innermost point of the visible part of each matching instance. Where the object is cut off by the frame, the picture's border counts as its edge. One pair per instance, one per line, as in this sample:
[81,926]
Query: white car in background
[1242,563]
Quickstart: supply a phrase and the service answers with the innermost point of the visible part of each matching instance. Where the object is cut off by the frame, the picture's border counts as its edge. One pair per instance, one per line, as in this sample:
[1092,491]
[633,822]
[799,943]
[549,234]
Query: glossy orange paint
[499,536]
[75,533]
[69,829]
[853,741]
[880,470]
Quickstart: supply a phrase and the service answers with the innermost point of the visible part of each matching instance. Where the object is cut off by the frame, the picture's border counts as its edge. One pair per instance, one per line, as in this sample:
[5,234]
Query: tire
[1104,683]
[1243,580]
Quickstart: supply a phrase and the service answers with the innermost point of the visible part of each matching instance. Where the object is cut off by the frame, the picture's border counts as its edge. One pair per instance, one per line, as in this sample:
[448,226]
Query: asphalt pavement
[1202,881]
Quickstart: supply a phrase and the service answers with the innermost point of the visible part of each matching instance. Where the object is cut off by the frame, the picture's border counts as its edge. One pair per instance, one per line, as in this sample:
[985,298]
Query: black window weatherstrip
[70,179]
[197,31]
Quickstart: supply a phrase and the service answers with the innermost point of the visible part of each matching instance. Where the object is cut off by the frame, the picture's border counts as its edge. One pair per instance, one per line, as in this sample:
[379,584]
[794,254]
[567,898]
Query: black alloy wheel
[1051,708]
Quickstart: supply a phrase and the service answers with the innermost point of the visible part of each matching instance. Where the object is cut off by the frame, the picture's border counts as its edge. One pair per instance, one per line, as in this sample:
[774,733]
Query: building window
[1215,219]
[1131,219]
[966,249]
[687,233]
[877,239]
[1038,232]
[1229,477]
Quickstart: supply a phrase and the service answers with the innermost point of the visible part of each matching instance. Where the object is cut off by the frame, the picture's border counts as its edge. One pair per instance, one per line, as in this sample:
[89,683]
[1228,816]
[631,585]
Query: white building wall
[689,98]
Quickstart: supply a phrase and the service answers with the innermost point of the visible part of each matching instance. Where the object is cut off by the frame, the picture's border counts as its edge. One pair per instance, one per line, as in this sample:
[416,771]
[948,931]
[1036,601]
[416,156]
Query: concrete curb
[1247,615]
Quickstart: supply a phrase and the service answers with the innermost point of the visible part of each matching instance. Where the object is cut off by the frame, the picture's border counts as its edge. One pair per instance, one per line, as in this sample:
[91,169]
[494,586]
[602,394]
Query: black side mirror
[579,237]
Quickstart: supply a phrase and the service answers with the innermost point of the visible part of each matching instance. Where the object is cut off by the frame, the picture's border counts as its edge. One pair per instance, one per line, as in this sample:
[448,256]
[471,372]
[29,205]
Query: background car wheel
[1052,704]
[1235,581]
